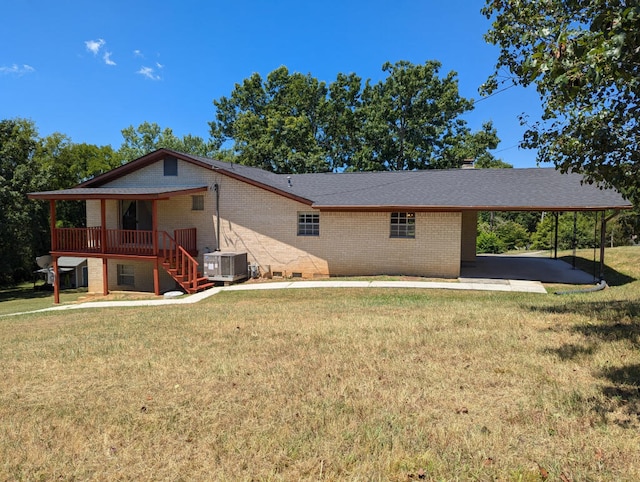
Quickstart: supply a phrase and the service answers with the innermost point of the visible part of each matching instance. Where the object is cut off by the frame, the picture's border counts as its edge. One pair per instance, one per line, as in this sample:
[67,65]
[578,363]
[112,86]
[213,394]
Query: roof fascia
[69,195]
[433,209]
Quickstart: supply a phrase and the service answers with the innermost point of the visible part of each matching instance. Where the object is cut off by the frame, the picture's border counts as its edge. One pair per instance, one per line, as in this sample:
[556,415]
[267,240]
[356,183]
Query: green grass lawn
[351,384]
[27,297]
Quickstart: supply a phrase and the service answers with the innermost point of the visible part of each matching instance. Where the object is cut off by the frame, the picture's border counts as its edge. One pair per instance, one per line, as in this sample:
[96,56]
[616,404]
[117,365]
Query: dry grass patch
[327,384]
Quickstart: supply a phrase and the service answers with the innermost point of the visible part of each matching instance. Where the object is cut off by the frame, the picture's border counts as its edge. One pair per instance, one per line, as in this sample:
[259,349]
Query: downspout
[216,188]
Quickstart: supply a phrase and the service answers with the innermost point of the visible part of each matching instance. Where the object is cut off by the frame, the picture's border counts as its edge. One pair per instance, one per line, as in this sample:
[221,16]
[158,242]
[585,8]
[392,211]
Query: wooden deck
[99,242]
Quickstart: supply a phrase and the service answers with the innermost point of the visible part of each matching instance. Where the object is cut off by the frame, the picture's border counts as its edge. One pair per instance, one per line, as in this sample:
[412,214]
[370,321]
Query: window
[403,225]
[197,203]
[170,166]
[125,275]
[308,224]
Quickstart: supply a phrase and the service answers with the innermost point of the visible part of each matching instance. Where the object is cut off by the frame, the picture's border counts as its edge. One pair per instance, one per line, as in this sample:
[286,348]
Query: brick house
[150,221]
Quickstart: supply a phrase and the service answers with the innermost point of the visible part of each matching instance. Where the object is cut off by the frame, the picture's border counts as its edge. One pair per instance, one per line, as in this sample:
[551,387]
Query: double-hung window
[308,224]
[403,225]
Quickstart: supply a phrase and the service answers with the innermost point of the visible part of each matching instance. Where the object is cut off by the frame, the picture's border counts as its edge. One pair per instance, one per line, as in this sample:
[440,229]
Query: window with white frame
[308,224]
[126,275]
[403,225]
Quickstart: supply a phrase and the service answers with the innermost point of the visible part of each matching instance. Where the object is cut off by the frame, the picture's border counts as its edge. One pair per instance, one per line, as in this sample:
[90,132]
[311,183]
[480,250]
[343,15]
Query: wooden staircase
[182,266]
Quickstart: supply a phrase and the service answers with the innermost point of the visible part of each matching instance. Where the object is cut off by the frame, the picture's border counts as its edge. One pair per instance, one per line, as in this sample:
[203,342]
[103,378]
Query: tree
[23,224]
[65,165]
[292,123]
[276,124]
[412,119]
[584,59]
[148,137]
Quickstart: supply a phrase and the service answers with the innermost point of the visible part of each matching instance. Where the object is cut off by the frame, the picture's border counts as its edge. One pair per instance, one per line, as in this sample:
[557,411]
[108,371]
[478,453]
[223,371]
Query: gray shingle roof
[497,189]
[508,189]
[540,189]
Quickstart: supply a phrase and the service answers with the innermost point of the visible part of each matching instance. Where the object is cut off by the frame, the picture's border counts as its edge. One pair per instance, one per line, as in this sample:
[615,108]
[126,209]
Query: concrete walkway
[522,273]
[488,285]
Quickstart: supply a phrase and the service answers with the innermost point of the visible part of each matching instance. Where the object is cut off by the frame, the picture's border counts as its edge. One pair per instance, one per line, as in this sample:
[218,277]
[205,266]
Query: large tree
[66,164]
[584,59]
[276,123]
[412,119]
[291,123]
[23,223]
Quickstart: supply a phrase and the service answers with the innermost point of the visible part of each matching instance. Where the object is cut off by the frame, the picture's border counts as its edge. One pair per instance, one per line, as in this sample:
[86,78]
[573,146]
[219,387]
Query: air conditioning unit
[219,266]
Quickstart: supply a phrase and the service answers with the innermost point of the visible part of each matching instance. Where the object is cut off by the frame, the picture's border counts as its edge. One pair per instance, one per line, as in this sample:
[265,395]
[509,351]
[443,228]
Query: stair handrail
[184,262]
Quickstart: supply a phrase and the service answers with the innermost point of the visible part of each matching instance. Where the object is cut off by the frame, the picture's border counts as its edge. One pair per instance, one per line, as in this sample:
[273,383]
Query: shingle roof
[539,189]
[487,189]
[450,189]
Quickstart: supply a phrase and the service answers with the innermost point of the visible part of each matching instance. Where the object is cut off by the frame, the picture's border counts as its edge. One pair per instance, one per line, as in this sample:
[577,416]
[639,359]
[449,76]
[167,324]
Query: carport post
[603,239]
[555,239]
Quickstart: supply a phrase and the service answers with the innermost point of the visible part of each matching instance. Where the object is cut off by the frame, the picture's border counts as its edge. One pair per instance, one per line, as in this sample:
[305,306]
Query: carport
[534,190]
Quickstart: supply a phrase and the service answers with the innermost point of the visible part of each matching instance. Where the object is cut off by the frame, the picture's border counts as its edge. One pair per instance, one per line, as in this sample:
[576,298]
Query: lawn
[330,385]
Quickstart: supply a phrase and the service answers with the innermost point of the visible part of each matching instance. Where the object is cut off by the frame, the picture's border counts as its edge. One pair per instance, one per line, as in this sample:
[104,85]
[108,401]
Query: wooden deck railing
[120,241]
[179,262]
[186,238]
[78,240]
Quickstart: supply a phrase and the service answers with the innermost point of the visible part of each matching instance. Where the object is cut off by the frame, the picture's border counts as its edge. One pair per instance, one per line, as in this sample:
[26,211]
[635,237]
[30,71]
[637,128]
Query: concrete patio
[533,266]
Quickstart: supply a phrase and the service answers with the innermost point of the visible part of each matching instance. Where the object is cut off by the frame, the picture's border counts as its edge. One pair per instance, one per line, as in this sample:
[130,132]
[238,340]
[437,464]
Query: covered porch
[174,251]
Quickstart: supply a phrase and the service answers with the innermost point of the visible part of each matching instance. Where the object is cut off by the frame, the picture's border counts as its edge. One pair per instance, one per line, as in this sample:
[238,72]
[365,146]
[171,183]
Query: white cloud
[137,53]
[107,59]
[159,65]
[17,69]
[149,73]
[94,46]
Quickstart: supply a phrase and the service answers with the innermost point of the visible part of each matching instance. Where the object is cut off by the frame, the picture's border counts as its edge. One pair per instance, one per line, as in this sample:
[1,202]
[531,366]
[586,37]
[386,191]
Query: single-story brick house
[166,209]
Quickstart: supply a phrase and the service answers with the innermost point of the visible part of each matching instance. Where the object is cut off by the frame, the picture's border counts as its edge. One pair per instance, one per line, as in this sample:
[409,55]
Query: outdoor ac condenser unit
[220,266]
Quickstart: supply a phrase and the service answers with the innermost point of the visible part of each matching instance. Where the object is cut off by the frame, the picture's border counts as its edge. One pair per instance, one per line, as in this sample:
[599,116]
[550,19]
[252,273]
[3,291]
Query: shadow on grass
[610,322]
[623,395]
[25,293]
[570,351]
[611,276]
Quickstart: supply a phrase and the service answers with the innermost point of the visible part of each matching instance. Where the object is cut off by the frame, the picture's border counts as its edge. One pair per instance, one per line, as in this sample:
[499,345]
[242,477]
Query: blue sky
[90,69]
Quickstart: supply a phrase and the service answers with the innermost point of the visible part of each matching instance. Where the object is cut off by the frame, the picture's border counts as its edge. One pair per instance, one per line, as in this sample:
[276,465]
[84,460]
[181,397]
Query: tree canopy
[290,122]
[149,136]
[584,59]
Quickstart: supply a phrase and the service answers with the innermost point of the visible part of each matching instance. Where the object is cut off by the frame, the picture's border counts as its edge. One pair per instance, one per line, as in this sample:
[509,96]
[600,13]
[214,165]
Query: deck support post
[105,276]
[54,247]
[154,228]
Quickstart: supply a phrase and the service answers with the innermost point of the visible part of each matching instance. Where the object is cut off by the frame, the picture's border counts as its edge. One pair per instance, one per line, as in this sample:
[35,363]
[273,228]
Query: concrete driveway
[529,267]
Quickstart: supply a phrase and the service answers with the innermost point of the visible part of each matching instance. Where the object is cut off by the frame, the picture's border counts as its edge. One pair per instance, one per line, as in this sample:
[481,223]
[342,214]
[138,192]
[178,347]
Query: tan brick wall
[469,234]
[264,225]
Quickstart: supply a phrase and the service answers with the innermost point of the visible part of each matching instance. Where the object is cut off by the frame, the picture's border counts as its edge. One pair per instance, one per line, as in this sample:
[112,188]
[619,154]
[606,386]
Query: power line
[494,93]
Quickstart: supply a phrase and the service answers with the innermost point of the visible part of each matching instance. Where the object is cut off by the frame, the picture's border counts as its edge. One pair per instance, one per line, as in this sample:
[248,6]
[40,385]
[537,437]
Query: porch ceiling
[118,193]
